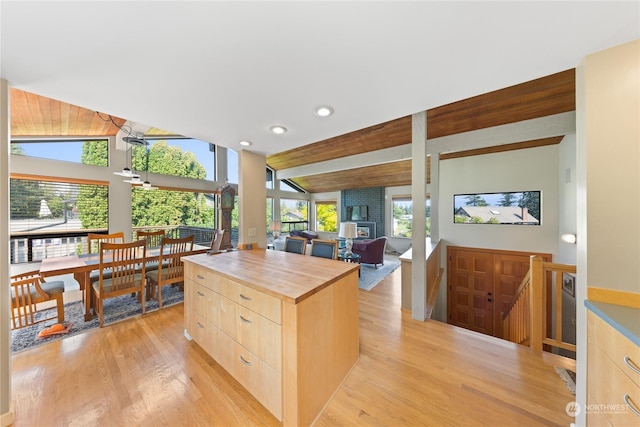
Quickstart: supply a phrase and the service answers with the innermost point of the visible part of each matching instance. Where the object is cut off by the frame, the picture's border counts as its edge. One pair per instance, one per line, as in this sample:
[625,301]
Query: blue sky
[72,151]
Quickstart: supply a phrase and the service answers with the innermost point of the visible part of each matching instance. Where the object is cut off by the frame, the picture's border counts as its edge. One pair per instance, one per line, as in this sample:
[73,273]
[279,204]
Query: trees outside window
[294,214]
[403,215]
[327,216]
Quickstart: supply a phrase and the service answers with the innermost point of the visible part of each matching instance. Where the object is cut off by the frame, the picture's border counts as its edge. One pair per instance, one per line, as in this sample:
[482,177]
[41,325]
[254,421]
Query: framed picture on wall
[569,284]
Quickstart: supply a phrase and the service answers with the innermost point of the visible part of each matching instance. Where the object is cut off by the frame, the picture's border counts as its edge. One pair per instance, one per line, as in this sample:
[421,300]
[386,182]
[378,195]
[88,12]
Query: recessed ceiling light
[324,111]
[278,130]
[245,143]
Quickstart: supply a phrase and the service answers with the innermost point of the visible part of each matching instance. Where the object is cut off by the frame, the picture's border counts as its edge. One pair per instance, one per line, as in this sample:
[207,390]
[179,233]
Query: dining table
[82,265]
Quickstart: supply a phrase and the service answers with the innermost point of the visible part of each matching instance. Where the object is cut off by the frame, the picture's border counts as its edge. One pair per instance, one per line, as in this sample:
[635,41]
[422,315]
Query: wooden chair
[29,289]
[296,245]
[170,268]
[153,238]
[93,243]
[125,264]
[324,248]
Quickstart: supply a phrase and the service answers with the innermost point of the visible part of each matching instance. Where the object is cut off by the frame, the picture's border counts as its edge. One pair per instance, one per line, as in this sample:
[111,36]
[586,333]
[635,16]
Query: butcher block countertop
[288,276]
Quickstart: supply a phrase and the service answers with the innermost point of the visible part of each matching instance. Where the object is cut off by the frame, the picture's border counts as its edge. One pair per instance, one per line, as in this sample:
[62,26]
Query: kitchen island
[284,325]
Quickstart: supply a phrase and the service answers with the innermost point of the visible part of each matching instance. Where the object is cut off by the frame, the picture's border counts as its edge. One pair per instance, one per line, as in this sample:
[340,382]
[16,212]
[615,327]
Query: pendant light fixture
[126,171]
[146,185]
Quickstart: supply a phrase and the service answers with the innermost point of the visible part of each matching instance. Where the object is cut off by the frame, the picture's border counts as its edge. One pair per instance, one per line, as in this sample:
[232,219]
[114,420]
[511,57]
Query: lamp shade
[275,225]
[348,230]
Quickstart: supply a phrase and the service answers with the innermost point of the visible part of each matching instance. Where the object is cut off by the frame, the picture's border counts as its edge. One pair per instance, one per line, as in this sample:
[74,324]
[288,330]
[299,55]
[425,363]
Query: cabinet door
[262,381]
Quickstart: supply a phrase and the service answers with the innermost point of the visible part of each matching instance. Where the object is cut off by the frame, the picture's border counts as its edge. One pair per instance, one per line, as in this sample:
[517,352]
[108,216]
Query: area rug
[569,378]
[115,310]
[370,276]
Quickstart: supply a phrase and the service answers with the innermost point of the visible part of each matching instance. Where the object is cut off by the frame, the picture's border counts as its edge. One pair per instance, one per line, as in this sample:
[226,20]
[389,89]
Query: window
[179,213]
[48,217]
[287,185]
[269,216]
[232,167]
[186,157]
[326,216]
[270,175]
[294,215]
[402,207]
[77,151]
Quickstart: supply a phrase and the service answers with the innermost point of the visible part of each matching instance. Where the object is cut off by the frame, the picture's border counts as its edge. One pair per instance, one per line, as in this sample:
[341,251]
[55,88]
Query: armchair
[371,251]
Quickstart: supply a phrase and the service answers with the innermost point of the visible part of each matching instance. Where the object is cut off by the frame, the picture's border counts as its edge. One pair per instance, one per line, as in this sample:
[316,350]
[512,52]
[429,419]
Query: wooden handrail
[525,320]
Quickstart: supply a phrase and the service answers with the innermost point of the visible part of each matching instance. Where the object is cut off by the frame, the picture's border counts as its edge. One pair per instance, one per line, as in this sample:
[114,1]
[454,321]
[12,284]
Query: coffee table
[355,258]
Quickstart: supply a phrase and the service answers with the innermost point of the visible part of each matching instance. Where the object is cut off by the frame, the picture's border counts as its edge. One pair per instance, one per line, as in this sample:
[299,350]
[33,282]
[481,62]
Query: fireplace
[366,230]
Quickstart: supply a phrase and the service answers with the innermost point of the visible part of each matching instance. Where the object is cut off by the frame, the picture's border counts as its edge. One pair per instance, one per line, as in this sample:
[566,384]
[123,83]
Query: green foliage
[17,149]
[93,206]
[326,217]
[493,220]
[476,220]
[531,201]
[95,153]
[508,199]
[25,196]
[475,200]
[460,219]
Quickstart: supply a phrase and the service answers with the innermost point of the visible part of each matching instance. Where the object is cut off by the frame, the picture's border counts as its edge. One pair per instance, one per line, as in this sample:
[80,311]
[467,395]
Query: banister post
[536,302]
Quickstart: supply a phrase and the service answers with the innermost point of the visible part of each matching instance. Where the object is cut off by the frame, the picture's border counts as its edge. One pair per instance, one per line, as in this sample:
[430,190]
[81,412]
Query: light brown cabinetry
[613,375]
[290,341]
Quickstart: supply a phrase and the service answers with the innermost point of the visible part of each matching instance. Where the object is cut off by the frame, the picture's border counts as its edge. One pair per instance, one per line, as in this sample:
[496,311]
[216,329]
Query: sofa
[307,234]
[371,251]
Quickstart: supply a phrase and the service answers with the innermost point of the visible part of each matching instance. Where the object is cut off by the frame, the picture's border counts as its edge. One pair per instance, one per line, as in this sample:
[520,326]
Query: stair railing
[526,319]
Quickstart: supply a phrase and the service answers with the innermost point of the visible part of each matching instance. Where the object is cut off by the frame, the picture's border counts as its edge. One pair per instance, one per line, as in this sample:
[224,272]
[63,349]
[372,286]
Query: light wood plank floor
[144,372]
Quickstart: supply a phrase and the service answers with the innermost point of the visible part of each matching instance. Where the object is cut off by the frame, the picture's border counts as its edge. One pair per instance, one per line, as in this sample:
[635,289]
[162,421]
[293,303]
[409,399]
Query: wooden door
[482,283]
[471,290]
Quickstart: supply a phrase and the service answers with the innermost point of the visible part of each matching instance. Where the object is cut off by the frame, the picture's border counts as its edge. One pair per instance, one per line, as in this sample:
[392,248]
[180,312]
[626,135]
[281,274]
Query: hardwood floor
[144,372]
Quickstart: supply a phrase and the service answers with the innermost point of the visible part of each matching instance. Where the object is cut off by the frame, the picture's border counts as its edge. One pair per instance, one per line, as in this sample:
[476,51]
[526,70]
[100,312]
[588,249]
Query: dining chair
[170,268]
[127,273]
[93,243]
[324,248]
[29,289]
[297,245]
[154,240]
[153,237]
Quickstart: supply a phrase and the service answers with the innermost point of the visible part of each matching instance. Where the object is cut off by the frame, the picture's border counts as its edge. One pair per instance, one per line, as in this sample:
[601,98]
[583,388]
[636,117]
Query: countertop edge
[610,314]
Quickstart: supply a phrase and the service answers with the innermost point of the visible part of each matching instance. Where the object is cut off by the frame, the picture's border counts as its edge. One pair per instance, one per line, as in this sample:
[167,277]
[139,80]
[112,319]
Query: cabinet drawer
[204,302]
[223,351]
[204,276]
[261,336]
[263,304]
[200,330]
[262,381]
[608,385]
[618,347]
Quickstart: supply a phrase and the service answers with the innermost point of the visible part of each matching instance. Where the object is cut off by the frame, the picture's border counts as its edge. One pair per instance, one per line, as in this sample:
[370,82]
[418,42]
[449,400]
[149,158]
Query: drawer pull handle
[630,364]
[631,406]
[245,362]
[244,319]
[200,294]
[244,297]
[200,277]
[200,325]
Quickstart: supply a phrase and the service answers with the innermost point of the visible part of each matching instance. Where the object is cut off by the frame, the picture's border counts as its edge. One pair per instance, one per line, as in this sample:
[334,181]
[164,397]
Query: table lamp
[275,228]
[348,230]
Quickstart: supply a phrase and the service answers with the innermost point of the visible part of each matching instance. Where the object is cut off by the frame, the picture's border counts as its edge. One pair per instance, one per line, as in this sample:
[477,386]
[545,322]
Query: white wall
[252,199]
[520,170]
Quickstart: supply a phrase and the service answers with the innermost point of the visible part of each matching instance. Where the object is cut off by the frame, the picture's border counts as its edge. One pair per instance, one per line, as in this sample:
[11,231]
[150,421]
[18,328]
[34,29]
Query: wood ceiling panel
[545,96]
[385,135]
[36,116]
[384,175]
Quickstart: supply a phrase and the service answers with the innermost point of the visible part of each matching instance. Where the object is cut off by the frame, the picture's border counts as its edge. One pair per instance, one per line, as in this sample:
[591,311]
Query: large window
[49,217]
[326,216]
[190,158]
[294,215]
[77,151]
[403,214]
[179,213]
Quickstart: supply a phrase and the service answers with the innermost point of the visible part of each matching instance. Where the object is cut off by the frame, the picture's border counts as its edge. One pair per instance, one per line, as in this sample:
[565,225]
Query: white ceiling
[226,71]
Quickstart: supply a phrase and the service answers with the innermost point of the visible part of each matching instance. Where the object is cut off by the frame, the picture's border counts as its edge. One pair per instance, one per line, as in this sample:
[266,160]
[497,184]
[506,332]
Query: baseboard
[8,418]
